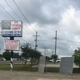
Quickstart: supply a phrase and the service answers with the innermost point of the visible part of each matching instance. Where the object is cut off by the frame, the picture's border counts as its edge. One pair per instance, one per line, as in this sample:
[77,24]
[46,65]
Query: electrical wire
[42,42]
[67,40]
[23,15]
[15,14]
[7,11]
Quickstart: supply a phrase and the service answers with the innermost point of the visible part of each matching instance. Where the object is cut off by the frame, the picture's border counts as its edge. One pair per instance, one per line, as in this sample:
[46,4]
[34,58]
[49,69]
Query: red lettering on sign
[11,44]
[16,26]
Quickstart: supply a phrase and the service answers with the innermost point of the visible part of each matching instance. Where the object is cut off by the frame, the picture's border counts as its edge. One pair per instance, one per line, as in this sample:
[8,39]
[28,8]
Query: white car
[4,59]
[58,60]
[51,60]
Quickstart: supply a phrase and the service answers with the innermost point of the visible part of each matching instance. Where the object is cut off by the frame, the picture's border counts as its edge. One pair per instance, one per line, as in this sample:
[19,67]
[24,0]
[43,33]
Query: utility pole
[45,51]
[36,41]
[45,60]
[52,53]
[55,42]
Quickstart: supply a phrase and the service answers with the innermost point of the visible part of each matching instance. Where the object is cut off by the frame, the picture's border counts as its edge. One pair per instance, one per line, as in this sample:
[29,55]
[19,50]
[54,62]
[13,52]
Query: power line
[11,8]
[27,30]
[6,11]
[42,42]
[23,14]
[46,40]
[15,13]
[9,14]
[68,40]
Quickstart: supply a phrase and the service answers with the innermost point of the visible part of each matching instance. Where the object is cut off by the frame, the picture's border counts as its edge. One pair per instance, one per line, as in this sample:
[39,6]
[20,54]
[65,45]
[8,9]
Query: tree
[1,55]
[25,51]
[28,52]
[47,58]
[7,55]
[77,57]
[16,55]
[34,55]
[54,56]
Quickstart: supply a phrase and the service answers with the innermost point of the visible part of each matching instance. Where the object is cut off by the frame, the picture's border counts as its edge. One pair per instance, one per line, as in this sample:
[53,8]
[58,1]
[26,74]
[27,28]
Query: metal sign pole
[11,59]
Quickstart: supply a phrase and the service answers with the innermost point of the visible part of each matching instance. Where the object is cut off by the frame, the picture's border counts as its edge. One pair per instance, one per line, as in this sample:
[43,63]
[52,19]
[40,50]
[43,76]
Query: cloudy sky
[45,17]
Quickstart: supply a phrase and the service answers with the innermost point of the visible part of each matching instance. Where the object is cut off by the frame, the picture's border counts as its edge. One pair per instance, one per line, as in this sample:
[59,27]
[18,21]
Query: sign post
[11,59]
[11,28]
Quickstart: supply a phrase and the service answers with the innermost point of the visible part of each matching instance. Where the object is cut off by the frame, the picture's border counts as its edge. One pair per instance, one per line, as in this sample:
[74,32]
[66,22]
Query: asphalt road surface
[14,75]
[18,75]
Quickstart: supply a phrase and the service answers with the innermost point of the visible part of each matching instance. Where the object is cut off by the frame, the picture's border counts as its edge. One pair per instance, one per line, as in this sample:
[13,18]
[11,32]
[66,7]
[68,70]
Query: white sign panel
[11,28]
[11,44]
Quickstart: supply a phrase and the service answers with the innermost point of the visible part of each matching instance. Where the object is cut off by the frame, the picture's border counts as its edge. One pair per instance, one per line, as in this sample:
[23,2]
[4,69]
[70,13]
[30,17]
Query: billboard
[11,28]
[11,44]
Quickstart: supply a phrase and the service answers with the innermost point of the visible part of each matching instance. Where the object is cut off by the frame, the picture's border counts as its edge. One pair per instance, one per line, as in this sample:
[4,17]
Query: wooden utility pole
[36,41]
[55,42]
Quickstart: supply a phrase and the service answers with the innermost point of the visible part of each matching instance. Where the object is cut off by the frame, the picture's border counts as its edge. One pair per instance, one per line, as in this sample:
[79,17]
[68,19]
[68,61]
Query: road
[18,75]
[14,75]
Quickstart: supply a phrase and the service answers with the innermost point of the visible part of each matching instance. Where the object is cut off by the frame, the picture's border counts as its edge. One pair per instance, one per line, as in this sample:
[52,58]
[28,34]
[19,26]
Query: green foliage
[1,55]
[16,55]
[54,56]
[6,55]
[34,55]
[28,52]
[47,58]
[77,57]
[25,50]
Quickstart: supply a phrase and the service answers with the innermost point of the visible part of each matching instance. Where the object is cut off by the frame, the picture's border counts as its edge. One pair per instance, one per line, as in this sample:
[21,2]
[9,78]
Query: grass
[28,67]
[76,70]
[52,69]
[18,67]
[4,67]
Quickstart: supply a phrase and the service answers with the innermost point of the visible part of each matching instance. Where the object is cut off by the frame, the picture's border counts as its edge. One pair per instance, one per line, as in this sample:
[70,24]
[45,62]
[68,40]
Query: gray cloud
[48,16]
[35,11]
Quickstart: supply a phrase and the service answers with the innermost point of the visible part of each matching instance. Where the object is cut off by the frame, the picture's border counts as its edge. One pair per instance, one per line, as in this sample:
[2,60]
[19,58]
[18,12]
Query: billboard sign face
[11,44]
[11,28]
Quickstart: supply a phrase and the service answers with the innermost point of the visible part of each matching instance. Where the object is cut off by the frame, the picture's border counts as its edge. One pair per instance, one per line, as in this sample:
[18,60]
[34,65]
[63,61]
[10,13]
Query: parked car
[4,59]
[51,60]
[28,60]
[58,60]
